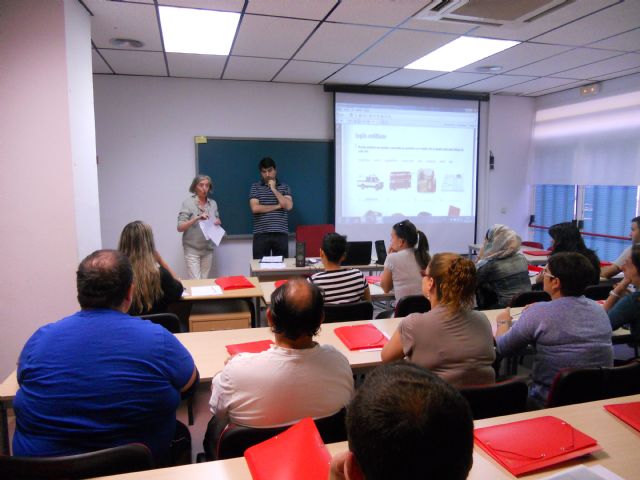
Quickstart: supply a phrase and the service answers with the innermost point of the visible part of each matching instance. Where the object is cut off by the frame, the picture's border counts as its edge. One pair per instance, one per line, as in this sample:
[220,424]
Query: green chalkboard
[307,166]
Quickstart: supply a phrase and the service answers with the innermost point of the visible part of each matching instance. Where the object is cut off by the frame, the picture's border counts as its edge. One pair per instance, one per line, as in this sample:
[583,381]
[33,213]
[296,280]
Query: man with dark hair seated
[570,331]
[100,378]
[295,378]
[405,422]
[339,285]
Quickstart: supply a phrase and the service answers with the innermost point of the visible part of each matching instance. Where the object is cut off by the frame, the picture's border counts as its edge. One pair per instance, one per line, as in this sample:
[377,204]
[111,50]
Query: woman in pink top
[452,340]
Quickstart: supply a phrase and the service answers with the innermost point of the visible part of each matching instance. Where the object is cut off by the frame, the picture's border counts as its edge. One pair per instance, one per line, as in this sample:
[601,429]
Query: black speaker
[300,254]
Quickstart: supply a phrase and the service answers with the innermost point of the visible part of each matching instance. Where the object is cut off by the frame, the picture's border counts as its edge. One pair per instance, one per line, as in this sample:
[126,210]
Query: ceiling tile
[405,78]
[564,61]
[615,19]
[261,36]
[197,66]
[401,47]
[604,67]
[221,5]
[356,74]
[129,62]
[617,74]
[339,43]
[99,66]
[444,26]
[306,72]
[124,20]
[311,9]
[133,1]
[495,83]
[537,85]
[449,81]
[628,42]
[517,56]
[249,68]
[561,88]
[386,13]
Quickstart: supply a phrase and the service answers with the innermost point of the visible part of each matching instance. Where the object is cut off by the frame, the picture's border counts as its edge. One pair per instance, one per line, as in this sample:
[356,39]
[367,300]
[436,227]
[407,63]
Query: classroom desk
[619,442]
[377,294]
[265,273]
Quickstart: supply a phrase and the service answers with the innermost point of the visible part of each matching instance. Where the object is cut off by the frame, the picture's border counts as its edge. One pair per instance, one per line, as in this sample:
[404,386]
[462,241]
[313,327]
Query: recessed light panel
[462,51]
[206,32]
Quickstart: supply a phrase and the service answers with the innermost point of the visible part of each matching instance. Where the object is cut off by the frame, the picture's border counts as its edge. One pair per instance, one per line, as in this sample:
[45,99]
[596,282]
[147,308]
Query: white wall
[39,244]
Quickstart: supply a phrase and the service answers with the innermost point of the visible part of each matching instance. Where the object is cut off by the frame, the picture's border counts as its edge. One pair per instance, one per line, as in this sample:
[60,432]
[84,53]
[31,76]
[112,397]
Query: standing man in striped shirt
[270,202]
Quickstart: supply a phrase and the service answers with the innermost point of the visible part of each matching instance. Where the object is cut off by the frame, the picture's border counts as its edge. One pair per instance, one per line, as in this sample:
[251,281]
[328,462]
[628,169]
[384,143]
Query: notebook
[234,283]
[529,445]
[296,453]
[358,253]
[249,347]
[629,413]
[361,337]
[381,252]
[537,253]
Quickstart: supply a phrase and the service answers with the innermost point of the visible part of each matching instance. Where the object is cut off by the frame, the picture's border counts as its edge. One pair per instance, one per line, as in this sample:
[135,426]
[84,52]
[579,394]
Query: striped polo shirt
[341,286]
[270,222]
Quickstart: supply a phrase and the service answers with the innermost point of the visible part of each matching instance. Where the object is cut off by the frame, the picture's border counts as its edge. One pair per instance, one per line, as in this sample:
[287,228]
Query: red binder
[629,413]
[234,283]
[279,283]
[532,444]
[535,268]
[537,253]
[296,453]
[605,264]
[360,337]
[249,347]
[373,279]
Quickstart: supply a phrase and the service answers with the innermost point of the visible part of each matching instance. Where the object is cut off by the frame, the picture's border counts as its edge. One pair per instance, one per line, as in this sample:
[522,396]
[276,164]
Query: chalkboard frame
[306,165]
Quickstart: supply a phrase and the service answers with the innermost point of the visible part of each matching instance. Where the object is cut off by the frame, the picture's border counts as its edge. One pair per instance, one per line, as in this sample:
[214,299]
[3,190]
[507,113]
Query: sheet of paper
[272,259]
[206,291]
[212,231]
[272,265]
[581,472]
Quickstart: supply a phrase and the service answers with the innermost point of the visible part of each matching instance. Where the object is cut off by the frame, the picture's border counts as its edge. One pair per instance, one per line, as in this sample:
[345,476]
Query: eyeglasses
[546,273]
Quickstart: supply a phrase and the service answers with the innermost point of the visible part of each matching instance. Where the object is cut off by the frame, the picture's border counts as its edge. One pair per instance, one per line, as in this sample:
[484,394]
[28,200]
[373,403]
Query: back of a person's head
[405,422]
[574,270]
[566,237]
[103,279]
[334,246]
[415,239]
[455,279]
[297,309]
[136,241]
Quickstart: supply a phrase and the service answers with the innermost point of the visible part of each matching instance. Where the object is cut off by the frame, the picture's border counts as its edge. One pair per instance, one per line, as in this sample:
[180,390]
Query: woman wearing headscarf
[502,271]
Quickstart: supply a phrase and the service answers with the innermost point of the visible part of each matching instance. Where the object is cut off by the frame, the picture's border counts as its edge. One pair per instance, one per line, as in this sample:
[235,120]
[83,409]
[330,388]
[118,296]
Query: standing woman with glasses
[198,251]
[407,259]
[452,340]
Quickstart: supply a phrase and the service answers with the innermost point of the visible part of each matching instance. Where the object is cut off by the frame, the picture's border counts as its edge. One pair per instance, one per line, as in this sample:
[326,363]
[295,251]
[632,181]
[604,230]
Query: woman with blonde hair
[452,340]
[155,284]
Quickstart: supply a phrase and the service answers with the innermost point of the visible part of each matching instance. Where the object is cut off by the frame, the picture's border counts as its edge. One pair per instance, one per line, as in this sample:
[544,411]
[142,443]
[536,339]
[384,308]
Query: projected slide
[399,157]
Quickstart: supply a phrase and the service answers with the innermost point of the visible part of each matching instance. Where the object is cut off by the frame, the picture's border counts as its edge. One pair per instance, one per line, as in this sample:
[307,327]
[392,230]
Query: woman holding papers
[452,340]
[155,284]
[198,208]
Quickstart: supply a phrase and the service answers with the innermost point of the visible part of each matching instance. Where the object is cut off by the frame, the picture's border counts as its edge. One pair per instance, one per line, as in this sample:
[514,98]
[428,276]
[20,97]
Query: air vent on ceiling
[490,12]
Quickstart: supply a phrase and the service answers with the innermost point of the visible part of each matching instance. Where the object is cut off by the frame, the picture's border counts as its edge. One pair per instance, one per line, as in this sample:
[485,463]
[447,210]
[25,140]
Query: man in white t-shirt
[616,267]
[295,378]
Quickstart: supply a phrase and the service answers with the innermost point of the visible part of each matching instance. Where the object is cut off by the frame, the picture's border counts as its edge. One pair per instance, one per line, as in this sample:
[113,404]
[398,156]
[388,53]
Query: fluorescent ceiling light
[462,51]
[207,32]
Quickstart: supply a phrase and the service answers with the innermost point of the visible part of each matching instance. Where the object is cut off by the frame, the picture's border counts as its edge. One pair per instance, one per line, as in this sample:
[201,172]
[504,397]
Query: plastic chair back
[346,312]
[597,292]
[312,236]
[170,321]
[523,299]
[411,304]
[496,399]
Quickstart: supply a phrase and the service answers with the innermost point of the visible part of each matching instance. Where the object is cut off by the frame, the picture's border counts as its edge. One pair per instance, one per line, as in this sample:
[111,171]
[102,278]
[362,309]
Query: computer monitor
[358,253]
[381,252]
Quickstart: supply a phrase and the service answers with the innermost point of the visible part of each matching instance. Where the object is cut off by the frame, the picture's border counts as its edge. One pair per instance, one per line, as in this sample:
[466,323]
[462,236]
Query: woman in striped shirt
[339,285]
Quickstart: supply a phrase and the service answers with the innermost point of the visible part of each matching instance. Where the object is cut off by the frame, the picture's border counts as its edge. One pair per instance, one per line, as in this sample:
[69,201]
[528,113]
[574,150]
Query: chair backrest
[346,312]
[312,236]
[170,321]
[597,292]
[578,385]
[493,400]
[230,440]
[111,461]
[532,244]
[411,304]
[523,299]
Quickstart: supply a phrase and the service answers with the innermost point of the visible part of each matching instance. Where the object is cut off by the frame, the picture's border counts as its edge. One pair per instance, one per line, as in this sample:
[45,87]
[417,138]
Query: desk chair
[170,321]
[532,245]
[597,292]
[346,312]
[407,305]
[578,385]
[230,440]
[312,236]
[496,399]
[523,299]
[133,457]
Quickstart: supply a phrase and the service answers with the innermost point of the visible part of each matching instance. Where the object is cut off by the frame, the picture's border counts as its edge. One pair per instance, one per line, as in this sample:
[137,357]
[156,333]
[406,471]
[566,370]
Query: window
[554,204]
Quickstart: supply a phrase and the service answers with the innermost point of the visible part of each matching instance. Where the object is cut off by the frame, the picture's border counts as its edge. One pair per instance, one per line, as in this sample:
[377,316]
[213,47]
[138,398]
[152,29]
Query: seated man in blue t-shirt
[100,378]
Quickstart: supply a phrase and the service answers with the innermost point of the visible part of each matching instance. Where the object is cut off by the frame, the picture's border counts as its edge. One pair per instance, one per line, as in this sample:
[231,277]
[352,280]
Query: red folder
[535,268]
[373,279]
[537,253]
[279,283]
[249,347]
[234,283]
[532,444]
[360,337]
[296,453]
[629,413]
